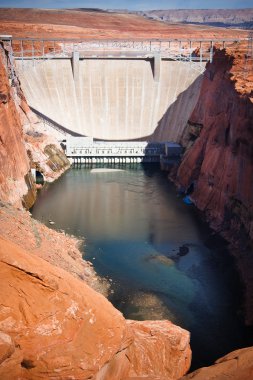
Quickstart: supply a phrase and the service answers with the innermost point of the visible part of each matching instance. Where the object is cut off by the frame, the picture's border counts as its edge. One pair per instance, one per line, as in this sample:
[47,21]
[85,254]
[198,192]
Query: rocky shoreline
[57,248]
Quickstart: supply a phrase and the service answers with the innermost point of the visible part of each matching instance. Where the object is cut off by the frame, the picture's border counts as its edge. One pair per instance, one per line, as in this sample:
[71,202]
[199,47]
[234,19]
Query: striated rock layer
[23,142]
[219,165]
[238,365]
[54,326]
[15,177]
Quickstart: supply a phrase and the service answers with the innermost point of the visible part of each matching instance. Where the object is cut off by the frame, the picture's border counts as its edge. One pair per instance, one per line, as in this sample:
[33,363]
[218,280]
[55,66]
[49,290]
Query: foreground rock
[156,347]
[238,365]
[54,326]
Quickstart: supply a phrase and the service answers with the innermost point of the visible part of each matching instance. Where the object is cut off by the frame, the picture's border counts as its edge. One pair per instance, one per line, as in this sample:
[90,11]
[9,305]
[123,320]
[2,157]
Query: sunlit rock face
[15,178]
[52,325]
[23,142]
[237,365]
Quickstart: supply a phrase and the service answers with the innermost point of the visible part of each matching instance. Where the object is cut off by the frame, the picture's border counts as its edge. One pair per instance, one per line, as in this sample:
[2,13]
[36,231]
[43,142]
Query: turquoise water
[160,257]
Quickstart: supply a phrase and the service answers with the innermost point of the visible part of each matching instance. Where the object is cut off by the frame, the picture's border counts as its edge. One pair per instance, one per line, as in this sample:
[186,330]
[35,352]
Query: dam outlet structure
[85,150]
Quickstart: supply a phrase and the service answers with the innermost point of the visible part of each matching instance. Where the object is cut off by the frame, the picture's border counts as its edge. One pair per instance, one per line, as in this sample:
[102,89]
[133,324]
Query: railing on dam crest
[193,51]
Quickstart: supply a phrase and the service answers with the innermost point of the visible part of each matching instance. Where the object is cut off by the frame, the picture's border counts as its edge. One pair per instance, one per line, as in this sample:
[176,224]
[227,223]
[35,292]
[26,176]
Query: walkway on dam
[186,50]
[195,52]
[167,48]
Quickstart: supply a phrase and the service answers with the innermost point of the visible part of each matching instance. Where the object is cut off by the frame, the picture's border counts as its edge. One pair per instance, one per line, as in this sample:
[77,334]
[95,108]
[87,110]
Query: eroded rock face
[15,177]
[220,162]
[22,133]
[150,353]
[54,326]
[61,328]
[237,365]
[46,154]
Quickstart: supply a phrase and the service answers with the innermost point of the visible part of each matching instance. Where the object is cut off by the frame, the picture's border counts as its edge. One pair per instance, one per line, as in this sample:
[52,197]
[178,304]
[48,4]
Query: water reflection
[152,246]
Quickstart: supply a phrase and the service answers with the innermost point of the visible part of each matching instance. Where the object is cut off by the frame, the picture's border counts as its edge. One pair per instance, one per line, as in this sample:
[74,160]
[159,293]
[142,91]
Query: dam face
[113,99]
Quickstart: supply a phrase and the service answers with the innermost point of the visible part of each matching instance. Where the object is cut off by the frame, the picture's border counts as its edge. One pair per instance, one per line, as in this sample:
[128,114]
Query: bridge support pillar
[157,67]
[75,65]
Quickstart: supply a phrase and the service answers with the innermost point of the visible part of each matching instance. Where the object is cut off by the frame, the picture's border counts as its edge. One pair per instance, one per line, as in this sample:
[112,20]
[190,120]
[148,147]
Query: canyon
[51,302]
[45,300]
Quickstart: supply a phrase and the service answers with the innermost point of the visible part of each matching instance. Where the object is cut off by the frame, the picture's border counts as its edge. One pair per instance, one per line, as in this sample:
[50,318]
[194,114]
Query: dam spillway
[113,99]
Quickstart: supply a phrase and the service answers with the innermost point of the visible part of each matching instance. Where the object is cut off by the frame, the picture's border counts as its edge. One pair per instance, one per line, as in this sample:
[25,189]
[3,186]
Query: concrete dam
[123,98]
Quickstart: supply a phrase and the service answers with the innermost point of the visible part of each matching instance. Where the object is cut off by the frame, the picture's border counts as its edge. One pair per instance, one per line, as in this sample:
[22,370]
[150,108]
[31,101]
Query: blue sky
[128,4]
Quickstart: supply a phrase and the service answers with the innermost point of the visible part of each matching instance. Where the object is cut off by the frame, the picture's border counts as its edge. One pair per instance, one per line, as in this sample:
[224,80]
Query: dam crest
[114,90]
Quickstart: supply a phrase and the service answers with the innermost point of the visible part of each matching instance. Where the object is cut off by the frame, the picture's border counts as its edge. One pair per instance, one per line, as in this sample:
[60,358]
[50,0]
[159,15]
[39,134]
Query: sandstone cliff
[23,142]
[15,177]
[219,165]
[54,326]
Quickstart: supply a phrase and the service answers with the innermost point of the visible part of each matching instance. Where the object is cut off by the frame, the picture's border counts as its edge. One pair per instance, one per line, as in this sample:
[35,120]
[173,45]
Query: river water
[160,257]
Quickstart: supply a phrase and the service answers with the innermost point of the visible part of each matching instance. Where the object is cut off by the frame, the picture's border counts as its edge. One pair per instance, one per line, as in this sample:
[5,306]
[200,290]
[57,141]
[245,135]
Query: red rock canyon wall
[15,178]
[220,161]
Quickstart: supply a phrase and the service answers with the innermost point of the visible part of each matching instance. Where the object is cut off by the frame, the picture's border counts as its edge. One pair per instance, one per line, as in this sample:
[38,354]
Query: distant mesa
[229,18]
[89,10]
